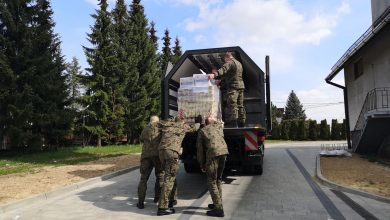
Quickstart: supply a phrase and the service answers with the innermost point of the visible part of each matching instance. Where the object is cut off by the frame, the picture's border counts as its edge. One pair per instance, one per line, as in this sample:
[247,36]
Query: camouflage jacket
[150,137]
[210,143]
[173,133]
[231,73]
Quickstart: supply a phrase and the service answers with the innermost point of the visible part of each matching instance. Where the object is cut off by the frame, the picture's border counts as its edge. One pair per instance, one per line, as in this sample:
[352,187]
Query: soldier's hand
[211,76]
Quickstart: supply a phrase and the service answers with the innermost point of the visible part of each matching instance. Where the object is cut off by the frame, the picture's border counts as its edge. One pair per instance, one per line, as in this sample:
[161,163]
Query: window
[358,68]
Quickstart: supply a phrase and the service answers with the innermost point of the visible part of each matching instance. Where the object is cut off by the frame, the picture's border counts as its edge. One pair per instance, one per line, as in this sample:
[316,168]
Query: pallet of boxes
[198,95]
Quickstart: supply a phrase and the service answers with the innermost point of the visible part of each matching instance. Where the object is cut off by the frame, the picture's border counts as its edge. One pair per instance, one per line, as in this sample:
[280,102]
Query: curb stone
[61,191]
[336,186]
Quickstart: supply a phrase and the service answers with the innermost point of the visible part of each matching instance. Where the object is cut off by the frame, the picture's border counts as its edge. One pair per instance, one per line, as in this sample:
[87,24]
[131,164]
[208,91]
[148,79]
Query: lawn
[25,163]
[269,141]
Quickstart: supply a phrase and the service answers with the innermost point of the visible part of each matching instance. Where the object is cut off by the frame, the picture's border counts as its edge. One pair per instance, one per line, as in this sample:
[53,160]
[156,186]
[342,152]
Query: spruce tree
[74,74]
[294,108]
[104,91]
[176,51]
[166,55]
[149,91]
[313,130]
[38,115]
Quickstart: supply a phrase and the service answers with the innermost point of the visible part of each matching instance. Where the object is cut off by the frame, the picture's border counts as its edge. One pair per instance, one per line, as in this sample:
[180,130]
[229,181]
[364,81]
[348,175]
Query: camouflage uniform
[169,149]
[231,72]
[150,137]
[211,153]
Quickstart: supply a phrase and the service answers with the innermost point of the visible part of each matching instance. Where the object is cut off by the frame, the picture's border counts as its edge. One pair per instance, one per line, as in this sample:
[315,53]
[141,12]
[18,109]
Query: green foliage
[285,128]
[176,51]
[301,131]
[275,133]
[324,130]
[34,97]
[313,130]
[335,131]
[147,96]
[294,108]
[343,132]
[23,163]
[293,130]
[166,55]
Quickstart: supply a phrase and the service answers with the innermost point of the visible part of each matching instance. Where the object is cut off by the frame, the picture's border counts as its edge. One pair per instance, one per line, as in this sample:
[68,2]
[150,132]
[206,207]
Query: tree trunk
[99,141]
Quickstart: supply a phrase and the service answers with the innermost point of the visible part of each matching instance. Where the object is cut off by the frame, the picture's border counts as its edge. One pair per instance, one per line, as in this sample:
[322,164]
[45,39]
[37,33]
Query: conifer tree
[33,54]
[324,130]
[301,130]
[335,130]
[293,130]
[74,74]
[149,91]
[285,128]
[176,51]
[343,130]
[294,108]
[166,55]
[103,97]
[313,130]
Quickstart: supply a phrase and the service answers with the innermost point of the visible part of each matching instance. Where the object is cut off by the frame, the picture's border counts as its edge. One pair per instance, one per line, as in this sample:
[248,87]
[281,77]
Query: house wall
[376,72]
[378,7]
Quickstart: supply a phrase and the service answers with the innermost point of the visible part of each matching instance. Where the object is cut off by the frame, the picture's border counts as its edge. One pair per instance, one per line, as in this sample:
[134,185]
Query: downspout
[345,92]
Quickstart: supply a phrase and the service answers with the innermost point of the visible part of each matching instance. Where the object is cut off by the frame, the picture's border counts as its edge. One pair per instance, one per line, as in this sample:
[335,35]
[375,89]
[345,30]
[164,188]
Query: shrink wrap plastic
[199,97]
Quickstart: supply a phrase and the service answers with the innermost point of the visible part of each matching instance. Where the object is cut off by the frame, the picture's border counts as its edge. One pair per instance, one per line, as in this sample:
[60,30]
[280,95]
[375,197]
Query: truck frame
[245,144]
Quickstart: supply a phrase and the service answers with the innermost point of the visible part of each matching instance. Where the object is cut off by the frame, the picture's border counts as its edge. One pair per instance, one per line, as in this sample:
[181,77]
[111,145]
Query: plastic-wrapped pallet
[198,97]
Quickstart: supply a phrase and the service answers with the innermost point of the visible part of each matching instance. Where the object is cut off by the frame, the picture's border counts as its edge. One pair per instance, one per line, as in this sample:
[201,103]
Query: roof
[381,22]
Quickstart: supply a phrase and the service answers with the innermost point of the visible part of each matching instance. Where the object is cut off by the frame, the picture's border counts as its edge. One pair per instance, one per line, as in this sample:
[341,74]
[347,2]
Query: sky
[304,39]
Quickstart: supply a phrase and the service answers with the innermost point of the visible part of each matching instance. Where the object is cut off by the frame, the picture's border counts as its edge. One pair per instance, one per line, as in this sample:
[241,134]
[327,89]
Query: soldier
[211,154]
[150,137]
[173,132]
[231,73]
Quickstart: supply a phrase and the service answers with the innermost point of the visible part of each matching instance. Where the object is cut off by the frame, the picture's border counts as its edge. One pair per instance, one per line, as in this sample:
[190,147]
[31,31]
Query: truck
[245,144]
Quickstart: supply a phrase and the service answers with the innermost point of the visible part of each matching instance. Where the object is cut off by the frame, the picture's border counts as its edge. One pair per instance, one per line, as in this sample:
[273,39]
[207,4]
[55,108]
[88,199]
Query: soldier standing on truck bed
[150,137]
[211,154]
[231,73]
[173,132]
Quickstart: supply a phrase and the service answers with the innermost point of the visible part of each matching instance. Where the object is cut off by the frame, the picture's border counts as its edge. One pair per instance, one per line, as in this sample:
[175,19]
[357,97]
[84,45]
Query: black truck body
[245,144]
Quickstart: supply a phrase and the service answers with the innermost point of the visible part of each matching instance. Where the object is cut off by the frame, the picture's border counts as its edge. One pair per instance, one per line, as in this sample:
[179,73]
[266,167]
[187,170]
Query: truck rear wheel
[258,169]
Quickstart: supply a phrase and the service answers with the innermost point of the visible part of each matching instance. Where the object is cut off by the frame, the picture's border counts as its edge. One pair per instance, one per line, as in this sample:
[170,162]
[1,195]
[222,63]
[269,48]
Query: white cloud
[262,27]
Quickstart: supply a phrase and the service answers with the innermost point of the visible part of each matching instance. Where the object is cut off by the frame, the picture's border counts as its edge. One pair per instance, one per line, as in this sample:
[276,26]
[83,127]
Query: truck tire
[258,169]
[191,168]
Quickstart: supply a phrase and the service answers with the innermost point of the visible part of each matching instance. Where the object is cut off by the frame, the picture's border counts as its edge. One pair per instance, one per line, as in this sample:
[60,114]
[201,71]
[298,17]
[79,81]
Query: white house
[366,66]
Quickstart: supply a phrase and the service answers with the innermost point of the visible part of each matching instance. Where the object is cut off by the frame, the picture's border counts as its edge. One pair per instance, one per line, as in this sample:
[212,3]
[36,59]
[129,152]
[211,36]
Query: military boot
[172,203]
[161,212]
[211,206]
[140,205]
[216,213]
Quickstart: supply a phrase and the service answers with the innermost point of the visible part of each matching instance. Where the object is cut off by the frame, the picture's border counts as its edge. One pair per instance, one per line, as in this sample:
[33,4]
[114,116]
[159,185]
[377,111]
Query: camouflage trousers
[147,165]
[233,101]
[214,170]
[170,164]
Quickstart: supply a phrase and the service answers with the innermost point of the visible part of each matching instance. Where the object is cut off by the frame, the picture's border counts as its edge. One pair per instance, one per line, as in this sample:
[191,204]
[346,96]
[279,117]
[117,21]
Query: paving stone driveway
[286,190]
